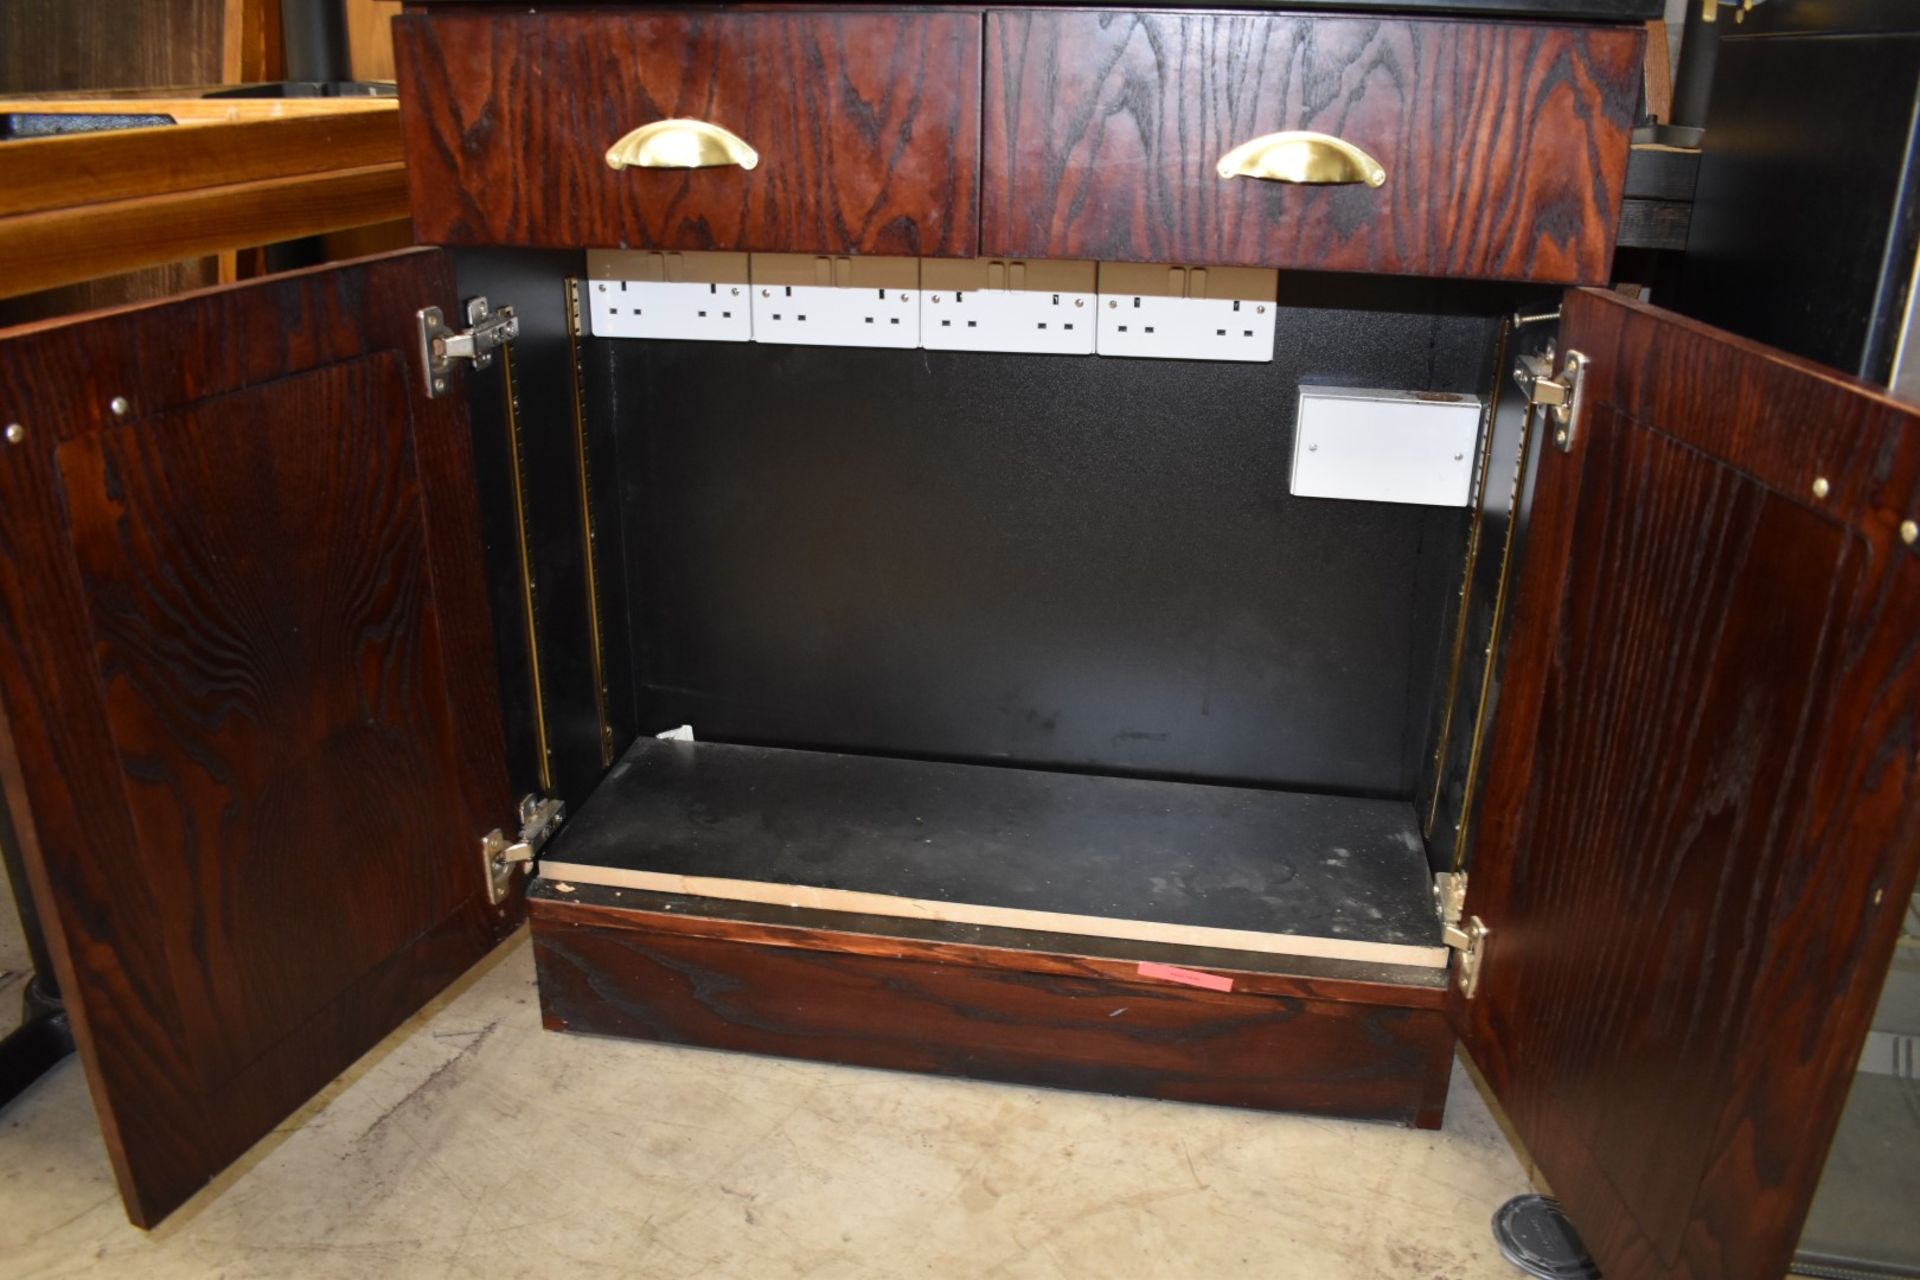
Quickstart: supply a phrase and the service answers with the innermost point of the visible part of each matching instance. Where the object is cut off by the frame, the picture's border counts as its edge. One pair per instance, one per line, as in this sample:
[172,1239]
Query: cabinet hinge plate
[1469,939]
[1450,895]
[440,345]
[1466,936]
[500,857]
[1557,394]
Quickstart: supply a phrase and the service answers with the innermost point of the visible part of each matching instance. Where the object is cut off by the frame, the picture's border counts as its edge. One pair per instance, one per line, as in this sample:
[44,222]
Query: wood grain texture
[57,173]
[192,106]
[1702,820]
[245,663]
[252,46]
[1077,955]
[58,246]
[981,1013]
[1657,75]
[867,125]
[1505,144]
[110,291]
[370,38]
[109,44]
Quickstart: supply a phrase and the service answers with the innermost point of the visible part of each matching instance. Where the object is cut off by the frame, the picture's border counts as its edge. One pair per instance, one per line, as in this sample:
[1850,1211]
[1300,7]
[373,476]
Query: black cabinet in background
[1806,220]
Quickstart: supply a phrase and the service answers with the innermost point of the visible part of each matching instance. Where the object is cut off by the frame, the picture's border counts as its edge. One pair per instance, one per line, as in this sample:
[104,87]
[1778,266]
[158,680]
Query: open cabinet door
[251,730]
[1698,832]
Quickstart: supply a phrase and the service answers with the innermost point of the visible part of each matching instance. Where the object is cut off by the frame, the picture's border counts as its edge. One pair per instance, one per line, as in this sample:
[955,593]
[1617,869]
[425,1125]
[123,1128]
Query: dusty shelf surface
[1270,871]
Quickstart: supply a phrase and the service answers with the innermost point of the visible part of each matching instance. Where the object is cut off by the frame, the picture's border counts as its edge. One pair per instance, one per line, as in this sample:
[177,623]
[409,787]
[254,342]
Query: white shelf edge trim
[883,904]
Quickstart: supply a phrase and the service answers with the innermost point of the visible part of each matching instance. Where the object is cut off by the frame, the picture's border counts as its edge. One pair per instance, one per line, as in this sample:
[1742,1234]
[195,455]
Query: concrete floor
[471,1143]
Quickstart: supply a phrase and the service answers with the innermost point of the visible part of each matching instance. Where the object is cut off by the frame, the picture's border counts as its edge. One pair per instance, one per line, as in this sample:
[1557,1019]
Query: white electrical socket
[692,310]
[836,316]
[1007,320]
[1185,328]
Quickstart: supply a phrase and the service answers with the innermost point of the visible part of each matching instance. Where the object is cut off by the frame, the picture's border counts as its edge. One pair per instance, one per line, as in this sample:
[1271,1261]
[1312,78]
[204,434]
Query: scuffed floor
[473,1144]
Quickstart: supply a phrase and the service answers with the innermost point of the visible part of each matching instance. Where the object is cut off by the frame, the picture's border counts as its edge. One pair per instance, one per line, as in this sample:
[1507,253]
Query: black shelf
[1284,872]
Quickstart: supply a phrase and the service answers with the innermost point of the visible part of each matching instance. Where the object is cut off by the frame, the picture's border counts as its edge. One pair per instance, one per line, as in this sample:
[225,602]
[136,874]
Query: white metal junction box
[1386,446]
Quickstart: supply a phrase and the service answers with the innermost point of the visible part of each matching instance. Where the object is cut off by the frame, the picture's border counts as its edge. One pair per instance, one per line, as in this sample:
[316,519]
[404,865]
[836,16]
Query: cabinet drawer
[1504,145]
[866,126]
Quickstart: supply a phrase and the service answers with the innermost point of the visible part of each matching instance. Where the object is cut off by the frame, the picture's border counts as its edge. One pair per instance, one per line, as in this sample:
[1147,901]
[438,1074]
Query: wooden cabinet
[838,988]
[1501,147]
[865,129]
[1694,843]
[970,627]
[1699,829]
[250,699]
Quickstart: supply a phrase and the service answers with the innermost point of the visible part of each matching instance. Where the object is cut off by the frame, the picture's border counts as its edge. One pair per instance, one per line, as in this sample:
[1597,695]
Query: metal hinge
[1557,393]
[539,819]
[487,330]
[1468,937]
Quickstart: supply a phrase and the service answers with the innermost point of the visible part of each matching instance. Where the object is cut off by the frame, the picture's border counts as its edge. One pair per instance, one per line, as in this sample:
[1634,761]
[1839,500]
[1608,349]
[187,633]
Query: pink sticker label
[1187,977]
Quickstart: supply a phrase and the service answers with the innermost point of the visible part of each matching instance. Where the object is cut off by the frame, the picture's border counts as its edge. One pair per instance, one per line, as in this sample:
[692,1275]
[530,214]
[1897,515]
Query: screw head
[16,433]
[1259,311]
[1909,529]
[906,297]
[1079,302]
[1111,304]
[1459,457]
[119,406]
[1313,448]
[735,292]
[439,384]
[603,288]
[1820,487]
[934,298]
[766,293]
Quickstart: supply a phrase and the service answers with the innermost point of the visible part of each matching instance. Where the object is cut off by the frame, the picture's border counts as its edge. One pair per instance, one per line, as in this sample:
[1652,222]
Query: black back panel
[555,452]
[1054,561]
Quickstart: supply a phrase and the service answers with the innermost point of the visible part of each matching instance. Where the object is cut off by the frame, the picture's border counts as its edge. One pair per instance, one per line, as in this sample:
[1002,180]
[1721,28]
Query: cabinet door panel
[867,127]
[1504,144]
[1701,820]
[252,724]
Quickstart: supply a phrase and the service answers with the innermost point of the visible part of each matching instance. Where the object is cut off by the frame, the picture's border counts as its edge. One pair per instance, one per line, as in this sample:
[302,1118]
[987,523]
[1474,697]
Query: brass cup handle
[681,144]
[1319,159]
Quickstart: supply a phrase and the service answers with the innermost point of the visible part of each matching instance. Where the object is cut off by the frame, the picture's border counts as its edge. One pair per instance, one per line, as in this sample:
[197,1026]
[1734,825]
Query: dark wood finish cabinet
[1340,1042]
[1504,145]
[866,125]
[252,719]
[1703,814]
[268,611]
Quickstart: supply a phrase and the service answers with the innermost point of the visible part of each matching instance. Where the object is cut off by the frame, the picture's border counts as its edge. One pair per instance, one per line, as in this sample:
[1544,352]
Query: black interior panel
[1070,562]
[534,284]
